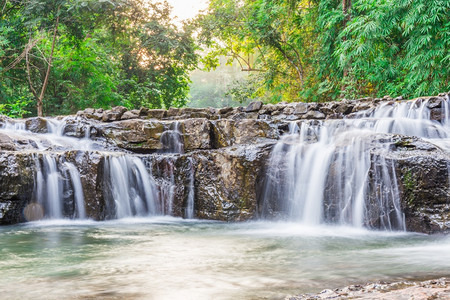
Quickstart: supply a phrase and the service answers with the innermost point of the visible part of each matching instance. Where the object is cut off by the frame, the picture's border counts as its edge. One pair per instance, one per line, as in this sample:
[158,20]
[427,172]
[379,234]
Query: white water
[345,152]
[77,189]
[191,194]
[333,171]
[172,139]
[167,258]
[132,188]
[49,186]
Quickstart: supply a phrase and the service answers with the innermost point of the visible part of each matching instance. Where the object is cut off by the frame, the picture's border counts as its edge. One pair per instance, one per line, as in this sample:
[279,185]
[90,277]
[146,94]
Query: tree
[322,50]
[78,53]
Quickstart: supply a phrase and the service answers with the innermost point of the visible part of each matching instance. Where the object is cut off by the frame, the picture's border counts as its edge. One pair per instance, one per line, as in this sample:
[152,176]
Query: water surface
[167,258]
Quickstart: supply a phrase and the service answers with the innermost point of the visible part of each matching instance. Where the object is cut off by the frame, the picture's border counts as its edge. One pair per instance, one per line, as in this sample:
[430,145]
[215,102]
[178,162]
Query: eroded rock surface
[226,149]
[417,290]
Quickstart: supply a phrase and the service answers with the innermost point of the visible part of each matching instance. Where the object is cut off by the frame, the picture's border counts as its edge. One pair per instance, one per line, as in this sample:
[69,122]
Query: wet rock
[219,172]
[267,109]
[313,114]
[91,168]
[194,113]
[135,135]
[246,131]
[36,125]
[437,114]
[423,178]
[130,115]
[196,134]
[301,108]
[225,110]
[16,185]
[361,106]
[114,114]
[435,102]
[173,112]
[6,143]
[425,290]
[154,113]
[344,108]
[109,116]
[239,116]
[254,106]
[119,110]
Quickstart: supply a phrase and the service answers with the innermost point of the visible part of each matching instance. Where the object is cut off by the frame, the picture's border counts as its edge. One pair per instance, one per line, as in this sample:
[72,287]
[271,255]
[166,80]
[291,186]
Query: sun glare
[187,9]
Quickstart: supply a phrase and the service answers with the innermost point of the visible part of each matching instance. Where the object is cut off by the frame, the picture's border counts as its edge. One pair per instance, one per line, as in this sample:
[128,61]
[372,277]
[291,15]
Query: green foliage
[18,108]
[327,49]
[106,53]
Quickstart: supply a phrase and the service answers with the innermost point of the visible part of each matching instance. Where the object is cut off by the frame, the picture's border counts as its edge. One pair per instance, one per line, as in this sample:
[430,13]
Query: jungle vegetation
[59,56]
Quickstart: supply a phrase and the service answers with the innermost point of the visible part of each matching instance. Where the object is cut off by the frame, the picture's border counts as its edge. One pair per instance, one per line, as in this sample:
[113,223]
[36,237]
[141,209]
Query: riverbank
[417,290]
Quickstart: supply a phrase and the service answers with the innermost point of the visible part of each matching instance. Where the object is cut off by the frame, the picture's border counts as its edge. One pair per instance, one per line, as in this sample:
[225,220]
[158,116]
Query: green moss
[409,184]
[404,144]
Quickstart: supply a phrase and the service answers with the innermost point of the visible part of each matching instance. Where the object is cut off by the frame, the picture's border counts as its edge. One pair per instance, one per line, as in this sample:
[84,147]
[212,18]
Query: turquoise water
[167,258]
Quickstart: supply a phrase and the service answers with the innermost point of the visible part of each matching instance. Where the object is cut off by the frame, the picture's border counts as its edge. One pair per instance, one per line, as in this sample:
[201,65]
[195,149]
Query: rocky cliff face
[222,165]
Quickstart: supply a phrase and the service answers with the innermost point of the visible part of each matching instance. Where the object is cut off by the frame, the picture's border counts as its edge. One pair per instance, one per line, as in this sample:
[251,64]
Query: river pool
[169,258]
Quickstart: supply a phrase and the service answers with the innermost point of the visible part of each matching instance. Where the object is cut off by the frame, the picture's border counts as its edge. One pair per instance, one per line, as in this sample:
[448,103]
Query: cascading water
[132,190]
[189,212]
[49,186]
[130,187]
[56,185]
[332,171]
[172,139]
[173,144]
[77,190]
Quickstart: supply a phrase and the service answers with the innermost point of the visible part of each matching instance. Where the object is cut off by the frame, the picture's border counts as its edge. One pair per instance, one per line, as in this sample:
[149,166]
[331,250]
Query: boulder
[301,108]
[6,143]
[153,113]
[254,106]
[197,134]
[135,135]
[173,112]
[314,115]
[130,115]
[16,185]
[36,125]
[218,173]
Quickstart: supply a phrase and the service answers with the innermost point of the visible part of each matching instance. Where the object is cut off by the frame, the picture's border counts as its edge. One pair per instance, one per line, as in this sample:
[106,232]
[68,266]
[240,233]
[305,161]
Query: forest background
[60,56]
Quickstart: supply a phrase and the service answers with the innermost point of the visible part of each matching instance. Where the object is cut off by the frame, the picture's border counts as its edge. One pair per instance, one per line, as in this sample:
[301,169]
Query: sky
[186,9]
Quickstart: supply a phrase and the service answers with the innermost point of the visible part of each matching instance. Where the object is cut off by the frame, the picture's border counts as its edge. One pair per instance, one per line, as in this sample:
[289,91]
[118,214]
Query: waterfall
[167,186]
[129,187]
[49,186]
[333,171]
[52,190]
[172,139]
[320,171]
[56,127]
[77,189]
[53,187]
[14,126]
[189,212]
[326,180]
[132,189]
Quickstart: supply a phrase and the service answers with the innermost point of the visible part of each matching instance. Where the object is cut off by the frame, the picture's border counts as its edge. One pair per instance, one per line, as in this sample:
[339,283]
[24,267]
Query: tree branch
[47,75]
[33,91]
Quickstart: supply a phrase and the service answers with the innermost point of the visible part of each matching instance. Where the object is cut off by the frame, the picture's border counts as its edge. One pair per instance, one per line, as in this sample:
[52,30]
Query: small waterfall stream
[332,171]
[320,171]
[130,189]
[77,189]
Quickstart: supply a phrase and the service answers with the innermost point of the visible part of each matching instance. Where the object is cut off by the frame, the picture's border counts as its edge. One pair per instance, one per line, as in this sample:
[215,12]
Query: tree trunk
[39,106]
